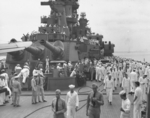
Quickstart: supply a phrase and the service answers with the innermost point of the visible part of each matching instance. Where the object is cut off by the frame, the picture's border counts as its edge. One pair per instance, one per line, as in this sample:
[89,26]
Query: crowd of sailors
[133,77]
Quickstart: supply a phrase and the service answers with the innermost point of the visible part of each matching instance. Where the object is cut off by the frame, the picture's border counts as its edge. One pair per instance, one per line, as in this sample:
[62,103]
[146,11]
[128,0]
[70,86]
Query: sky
[126,23]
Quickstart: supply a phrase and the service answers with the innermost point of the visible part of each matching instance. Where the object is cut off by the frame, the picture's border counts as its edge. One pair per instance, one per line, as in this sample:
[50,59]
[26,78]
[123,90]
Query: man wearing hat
[16,88]
[126,104]
[120,76]
[126,83]
[3,91]
[72,101]
[24,73]
[6,83]
[47,65]
[18,69]
[34,88]
[143,82]
[11,85]
[65,66]
[58,106]
[40,84]
[97,72]
[105,79]
[109,89]
[137,101]
[94,102]
[133,78]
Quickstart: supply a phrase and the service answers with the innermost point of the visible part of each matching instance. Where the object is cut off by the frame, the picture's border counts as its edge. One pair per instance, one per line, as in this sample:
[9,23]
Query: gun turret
[57,48]
[17,55]
[35,51]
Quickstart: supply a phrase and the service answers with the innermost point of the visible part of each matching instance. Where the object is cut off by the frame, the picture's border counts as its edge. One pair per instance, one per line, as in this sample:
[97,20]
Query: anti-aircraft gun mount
[90,47]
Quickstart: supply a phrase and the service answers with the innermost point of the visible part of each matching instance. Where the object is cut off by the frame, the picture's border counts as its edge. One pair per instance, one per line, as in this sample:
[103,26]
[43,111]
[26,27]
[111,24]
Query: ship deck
[43,110]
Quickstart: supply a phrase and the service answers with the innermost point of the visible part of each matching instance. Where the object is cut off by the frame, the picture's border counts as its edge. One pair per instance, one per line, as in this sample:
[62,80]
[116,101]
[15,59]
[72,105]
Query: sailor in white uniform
[18,68]
[72,101]
[105,80]
[141,72]
[133,78]
[24,73]
[6,83]
[137,101]
[126,84]
[109,89]
[97,72]
[143,83]
[126,105]
[120,76]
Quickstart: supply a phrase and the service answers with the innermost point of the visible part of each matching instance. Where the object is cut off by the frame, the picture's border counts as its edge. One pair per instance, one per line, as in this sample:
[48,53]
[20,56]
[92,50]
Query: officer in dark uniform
[94,102]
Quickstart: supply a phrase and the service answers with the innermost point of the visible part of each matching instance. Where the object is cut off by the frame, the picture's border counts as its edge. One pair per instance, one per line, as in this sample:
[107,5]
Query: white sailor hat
[122,92]
[71,86]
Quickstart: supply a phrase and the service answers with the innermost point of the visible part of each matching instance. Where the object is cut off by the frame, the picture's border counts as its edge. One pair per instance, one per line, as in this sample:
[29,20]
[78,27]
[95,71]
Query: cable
[37,110]
[79,93]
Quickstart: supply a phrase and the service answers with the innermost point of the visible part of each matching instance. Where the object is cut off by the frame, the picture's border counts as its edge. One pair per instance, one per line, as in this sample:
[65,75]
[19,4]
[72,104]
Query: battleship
[63,37]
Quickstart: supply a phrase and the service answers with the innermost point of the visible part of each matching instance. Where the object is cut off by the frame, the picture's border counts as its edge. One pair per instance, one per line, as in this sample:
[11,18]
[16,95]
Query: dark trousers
[94,112]
[87,74]
[94,75]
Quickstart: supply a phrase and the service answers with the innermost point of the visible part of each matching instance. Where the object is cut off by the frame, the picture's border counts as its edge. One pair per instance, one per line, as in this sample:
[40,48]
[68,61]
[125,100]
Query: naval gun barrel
[35,51]
[57,49]
[45,3]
